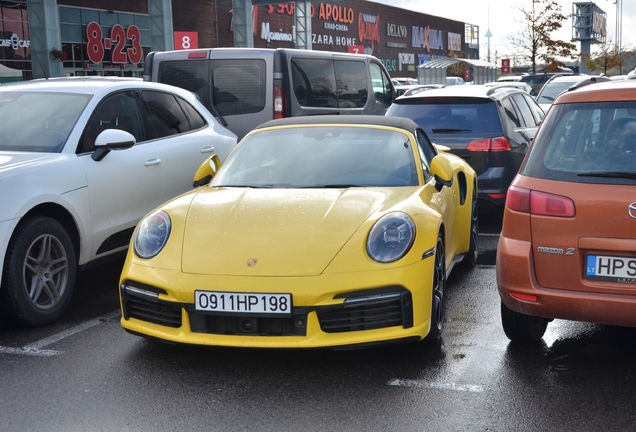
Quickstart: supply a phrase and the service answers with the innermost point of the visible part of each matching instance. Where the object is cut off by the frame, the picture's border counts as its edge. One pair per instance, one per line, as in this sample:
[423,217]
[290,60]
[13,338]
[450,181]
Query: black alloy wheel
[439,288]
[471,256]
[39,272]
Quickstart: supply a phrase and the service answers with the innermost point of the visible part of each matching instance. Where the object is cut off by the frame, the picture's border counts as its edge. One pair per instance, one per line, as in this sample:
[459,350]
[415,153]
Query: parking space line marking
[35,347]
[25,351]
[437,385]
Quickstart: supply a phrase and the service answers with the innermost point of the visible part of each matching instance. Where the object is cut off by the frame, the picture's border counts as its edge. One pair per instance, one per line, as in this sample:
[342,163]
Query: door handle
[152,162]
[207,150]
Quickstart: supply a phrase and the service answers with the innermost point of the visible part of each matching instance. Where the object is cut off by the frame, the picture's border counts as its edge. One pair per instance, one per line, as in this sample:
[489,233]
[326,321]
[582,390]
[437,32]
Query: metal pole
[302,12]
[243,24]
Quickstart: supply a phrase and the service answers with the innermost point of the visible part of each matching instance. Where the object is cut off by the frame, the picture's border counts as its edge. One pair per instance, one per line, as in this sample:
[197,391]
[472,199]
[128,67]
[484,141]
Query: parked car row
[318,230]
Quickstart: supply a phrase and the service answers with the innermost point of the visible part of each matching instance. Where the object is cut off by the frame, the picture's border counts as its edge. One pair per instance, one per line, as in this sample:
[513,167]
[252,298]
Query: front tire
[39,272]
[522,328]
[438,315]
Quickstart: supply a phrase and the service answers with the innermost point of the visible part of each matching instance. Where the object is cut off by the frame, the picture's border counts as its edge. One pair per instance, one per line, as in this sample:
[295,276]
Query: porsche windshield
[319,156]
[38,121]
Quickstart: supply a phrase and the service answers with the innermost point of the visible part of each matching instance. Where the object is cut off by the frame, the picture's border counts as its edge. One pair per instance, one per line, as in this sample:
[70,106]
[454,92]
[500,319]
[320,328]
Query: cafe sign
[14,42]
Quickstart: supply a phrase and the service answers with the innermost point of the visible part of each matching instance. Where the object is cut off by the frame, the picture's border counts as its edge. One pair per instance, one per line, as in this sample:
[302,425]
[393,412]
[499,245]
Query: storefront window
[15,46]
[121,39]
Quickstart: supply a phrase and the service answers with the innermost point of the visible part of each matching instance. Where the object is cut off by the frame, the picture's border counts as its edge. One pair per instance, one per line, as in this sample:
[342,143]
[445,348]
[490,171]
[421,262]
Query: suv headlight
[152,234]
[391,237]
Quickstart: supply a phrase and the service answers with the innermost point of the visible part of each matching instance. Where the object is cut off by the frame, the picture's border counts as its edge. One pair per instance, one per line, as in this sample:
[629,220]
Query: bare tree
[534,41]
[607,58]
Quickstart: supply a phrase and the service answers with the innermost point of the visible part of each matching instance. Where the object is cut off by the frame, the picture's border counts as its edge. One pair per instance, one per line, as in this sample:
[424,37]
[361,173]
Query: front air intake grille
[368,313]
[249,325]
[153,311]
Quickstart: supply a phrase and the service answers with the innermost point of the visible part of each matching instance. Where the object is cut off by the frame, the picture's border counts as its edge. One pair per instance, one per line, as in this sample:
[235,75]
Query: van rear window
[238,86]
[314,82]
[351,77]
[187,74]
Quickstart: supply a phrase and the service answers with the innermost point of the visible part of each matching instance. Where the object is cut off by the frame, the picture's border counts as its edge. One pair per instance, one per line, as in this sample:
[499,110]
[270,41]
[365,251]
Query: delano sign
[394,30]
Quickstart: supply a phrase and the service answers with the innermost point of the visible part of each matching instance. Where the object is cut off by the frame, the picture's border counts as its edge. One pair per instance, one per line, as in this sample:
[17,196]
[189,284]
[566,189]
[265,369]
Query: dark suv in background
[536,81]
[490,127]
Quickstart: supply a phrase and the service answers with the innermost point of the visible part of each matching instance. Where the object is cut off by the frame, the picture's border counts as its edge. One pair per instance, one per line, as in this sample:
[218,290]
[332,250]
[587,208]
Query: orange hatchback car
[567,248]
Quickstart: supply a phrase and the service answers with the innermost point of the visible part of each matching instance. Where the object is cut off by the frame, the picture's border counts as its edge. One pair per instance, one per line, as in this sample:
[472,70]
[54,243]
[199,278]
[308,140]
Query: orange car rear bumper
[515,275]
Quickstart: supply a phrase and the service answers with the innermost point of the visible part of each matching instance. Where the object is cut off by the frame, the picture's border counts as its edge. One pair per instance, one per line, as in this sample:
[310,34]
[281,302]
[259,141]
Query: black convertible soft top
[372,120]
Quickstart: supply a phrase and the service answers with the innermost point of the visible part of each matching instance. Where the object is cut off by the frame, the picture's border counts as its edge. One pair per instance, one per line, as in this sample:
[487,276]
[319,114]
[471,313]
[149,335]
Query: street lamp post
[619,31]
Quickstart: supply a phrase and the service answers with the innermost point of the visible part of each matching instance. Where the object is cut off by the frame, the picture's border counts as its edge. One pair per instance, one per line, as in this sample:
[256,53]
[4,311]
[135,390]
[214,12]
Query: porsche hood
[274,232]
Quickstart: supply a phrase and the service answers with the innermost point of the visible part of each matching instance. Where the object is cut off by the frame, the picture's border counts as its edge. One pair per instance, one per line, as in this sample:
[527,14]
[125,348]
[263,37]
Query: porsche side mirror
[206,171]
[442,170]
[111,139]
[441,148]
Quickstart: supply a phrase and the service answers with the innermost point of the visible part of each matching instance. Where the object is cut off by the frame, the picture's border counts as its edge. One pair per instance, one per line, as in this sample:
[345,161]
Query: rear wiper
[218,115]
[615,174]
[446,130]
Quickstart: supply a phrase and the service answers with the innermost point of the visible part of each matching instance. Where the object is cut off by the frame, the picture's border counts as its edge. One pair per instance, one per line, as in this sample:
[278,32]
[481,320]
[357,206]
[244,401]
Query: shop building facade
[43,38]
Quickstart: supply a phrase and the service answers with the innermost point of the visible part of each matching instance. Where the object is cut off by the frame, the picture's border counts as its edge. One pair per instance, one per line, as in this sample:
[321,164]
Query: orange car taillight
[551,205]
[490,144]
[539,203]
[280,110]
[518,199]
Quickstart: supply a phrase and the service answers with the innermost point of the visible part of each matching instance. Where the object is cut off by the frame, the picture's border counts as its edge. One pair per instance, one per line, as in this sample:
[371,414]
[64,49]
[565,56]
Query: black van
[248,86]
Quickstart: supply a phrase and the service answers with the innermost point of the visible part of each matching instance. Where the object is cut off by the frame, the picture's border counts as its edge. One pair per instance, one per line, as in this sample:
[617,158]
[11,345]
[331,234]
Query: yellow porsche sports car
[325,231]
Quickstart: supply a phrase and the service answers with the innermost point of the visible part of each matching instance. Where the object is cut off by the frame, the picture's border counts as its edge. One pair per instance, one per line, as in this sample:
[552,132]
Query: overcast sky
[502,14]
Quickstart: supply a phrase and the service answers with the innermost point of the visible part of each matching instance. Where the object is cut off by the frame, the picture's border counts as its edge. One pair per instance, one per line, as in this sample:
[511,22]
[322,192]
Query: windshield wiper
[446,130]
[339,186]
[289,186]
[267,186]
[614,174]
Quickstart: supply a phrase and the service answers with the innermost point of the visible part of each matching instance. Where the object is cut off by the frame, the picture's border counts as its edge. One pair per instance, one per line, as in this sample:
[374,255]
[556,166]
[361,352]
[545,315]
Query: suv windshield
[450,115]
[587,143]
[38,121]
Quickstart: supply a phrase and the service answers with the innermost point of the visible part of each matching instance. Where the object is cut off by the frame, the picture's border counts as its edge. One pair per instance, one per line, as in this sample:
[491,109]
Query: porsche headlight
[391,237]
[152,234]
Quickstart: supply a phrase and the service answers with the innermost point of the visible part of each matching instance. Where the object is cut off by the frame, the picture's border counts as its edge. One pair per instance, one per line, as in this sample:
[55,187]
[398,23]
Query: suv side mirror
[111,139]
[206,171]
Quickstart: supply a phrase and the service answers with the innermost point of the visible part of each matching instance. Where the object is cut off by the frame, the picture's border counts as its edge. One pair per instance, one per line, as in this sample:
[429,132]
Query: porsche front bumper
[330,310]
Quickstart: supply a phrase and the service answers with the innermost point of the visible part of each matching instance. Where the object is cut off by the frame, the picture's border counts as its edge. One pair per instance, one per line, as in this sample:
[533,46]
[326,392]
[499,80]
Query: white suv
[81,161]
